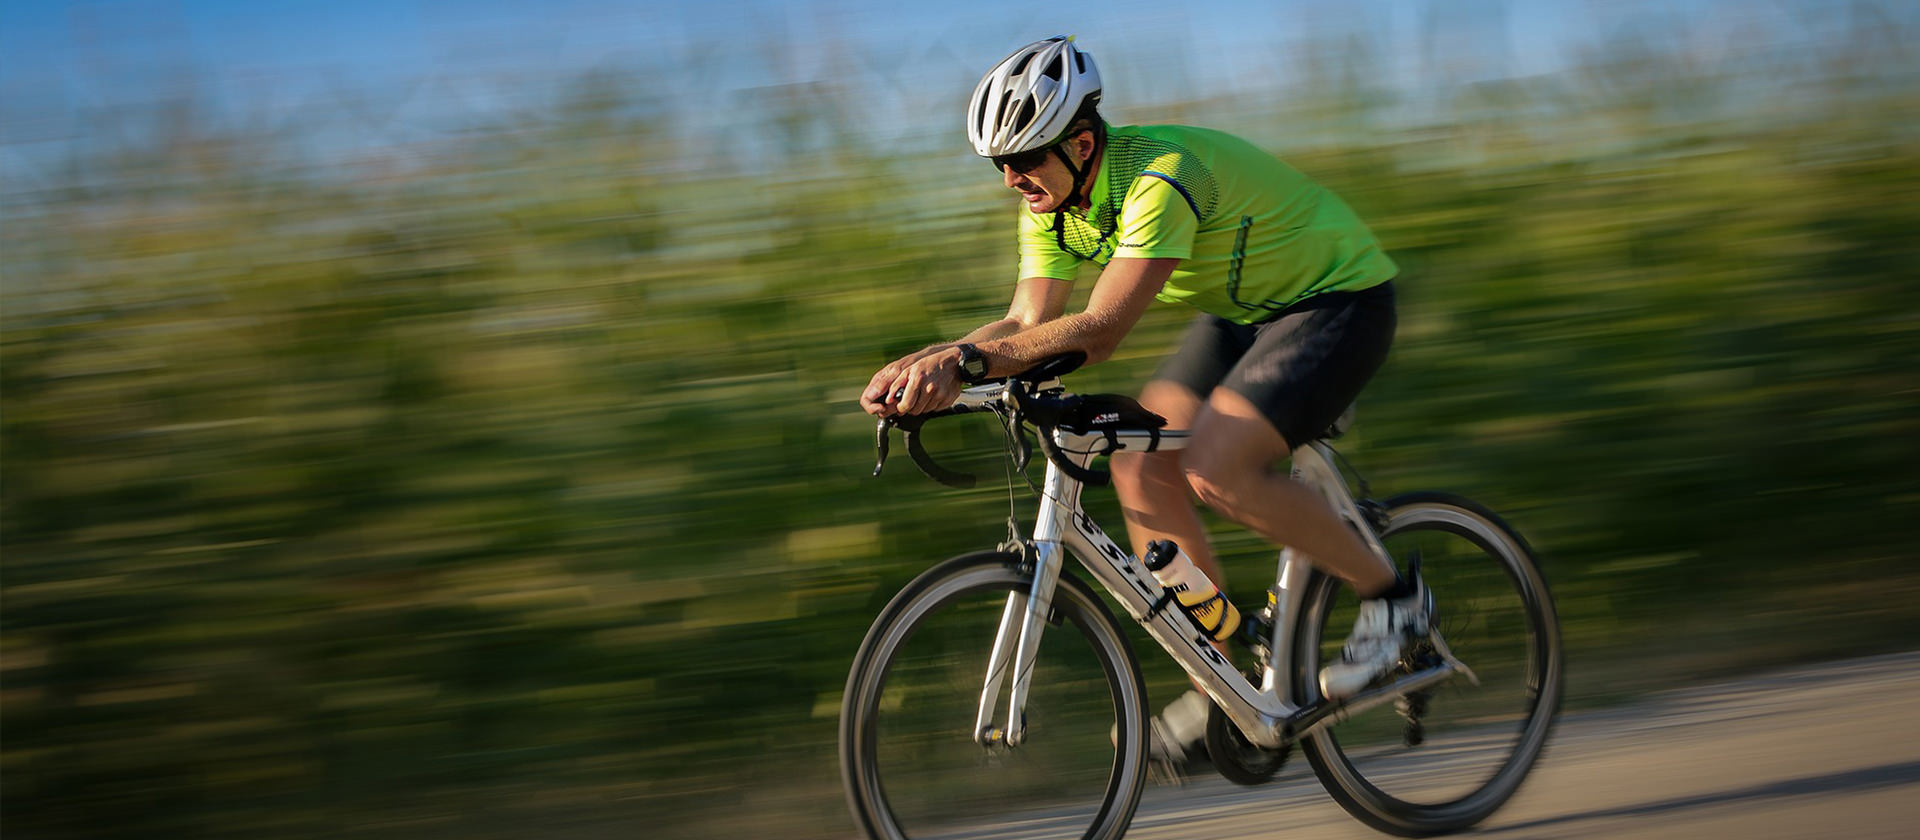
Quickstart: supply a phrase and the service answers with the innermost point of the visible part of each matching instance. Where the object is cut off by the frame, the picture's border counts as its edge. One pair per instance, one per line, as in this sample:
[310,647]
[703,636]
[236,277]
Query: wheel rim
[919,771]
[1479,741]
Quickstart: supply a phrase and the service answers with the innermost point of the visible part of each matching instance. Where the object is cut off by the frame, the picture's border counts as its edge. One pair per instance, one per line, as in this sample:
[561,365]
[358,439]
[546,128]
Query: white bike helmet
[1027,100]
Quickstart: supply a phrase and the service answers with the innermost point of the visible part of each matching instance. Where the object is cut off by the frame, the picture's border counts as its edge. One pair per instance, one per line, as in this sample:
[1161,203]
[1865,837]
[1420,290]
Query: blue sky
[395,38]
[425,58]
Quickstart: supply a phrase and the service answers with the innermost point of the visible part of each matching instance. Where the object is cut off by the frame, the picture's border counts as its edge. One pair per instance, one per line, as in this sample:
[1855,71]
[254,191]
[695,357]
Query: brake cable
[1019,455]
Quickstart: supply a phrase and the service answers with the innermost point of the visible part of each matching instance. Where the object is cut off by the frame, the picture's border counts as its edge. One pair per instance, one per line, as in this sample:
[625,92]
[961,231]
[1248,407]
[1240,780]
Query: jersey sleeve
[1156,220]
[1040,254]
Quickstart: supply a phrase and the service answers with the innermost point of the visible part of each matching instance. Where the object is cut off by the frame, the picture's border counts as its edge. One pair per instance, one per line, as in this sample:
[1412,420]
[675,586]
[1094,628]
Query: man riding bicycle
[1296,314]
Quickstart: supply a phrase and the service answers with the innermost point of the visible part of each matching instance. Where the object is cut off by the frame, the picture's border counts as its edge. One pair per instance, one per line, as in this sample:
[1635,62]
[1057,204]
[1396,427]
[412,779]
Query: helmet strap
[1079,180]
[1080,172]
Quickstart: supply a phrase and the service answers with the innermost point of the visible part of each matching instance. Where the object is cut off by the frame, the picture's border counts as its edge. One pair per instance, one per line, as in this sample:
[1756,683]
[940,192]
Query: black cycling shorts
[1302,367]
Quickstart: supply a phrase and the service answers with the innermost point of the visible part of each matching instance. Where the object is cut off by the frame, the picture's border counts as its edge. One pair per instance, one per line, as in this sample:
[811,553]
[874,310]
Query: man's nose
[1011,178]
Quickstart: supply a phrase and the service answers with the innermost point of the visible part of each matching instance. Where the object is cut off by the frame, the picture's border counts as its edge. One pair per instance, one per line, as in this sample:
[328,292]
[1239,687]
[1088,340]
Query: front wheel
[908,755]
[1443,759]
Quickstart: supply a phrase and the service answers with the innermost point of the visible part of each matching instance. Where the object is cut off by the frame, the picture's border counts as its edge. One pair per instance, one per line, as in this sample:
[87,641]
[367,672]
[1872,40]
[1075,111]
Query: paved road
[1828,751]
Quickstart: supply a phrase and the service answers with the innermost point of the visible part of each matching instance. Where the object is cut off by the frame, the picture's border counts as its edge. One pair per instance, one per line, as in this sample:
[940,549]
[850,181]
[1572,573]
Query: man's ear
[1083,144]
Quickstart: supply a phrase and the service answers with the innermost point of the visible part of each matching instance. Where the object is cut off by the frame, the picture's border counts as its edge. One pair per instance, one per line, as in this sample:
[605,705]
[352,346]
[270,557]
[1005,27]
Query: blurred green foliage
[519,486]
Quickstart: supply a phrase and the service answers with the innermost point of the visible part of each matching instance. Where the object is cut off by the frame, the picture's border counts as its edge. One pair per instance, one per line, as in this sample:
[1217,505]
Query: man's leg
[1297,372]
[1233,465]
[1233,472]
[1154,496]
[1158,505]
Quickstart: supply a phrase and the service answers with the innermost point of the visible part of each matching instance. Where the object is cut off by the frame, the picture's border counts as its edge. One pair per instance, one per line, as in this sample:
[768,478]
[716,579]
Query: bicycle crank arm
[1311,719]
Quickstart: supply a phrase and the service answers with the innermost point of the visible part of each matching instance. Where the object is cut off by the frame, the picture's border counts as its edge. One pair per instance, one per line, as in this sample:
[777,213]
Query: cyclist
[1296,314]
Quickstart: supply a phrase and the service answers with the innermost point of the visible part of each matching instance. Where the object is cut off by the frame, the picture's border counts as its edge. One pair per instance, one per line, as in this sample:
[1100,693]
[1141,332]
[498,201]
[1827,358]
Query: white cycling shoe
[1174,735]
[1379,637]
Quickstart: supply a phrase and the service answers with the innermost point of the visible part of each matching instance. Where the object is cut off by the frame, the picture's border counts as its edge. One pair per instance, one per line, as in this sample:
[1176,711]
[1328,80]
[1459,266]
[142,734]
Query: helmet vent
[1025,117]
[1022,66]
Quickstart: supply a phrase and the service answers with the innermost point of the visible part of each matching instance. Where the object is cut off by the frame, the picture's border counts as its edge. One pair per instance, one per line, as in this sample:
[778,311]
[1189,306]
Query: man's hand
[929,380]
[875,400]
[925,381]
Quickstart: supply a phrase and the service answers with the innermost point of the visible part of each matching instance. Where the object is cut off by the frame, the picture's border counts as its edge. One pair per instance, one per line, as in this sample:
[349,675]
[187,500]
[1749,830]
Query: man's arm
[1125,290]
[1036,300]
[930,381]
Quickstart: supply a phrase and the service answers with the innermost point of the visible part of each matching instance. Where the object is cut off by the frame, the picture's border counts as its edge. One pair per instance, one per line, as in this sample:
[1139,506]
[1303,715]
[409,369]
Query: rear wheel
[1443,759]
[908,756]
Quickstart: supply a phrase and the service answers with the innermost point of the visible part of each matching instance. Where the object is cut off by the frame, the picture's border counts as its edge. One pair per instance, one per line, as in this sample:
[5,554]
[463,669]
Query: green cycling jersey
[1253,235]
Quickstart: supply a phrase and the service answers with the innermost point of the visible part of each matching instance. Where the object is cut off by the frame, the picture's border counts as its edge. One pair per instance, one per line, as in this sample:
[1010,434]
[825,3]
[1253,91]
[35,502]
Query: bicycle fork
[1015,647]
[1017,644]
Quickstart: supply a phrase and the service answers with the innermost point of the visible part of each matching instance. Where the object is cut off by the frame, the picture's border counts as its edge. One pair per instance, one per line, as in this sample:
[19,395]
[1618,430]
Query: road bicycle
[998,696]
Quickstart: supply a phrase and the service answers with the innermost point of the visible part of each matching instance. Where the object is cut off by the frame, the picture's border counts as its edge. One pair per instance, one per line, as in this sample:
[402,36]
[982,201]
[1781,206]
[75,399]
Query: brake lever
[880,440]
[1023,452]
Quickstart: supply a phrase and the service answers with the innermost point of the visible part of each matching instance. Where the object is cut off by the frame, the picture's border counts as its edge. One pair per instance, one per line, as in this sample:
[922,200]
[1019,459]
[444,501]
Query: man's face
[1047,186]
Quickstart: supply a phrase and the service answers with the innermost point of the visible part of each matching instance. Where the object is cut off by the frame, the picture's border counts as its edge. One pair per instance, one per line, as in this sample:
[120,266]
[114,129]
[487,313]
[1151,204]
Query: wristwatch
[973,364]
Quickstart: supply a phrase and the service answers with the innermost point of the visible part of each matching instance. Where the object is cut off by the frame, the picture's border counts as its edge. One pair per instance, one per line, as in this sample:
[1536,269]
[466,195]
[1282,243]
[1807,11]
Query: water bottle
[1198,597]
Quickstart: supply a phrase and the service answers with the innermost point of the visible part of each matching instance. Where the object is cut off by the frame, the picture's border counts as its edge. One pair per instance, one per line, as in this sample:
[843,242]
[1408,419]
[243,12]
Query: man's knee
[1217,478]
[1235,449]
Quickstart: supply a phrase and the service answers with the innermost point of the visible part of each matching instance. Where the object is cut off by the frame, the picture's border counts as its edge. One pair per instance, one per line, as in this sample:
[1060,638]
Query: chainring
[1239,760]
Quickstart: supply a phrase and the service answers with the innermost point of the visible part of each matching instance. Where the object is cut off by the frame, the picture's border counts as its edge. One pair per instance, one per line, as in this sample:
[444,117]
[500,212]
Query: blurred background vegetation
[511,481]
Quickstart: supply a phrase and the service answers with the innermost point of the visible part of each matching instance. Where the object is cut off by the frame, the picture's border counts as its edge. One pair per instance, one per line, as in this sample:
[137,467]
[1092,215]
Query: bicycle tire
[1499,618]
[912,695]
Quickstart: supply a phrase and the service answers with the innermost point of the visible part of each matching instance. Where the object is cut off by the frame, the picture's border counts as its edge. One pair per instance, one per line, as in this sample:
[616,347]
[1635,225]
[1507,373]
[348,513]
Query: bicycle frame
[1270,714]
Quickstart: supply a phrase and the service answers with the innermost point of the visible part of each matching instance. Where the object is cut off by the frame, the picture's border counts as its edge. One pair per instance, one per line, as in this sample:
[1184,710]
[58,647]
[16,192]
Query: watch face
[972,363]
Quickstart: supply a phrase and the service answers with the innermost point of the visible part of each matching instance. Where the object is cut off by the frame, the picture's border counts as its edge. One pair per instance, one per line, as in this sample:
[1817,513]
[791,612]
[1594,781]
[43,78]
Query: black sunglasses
[1022,162]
